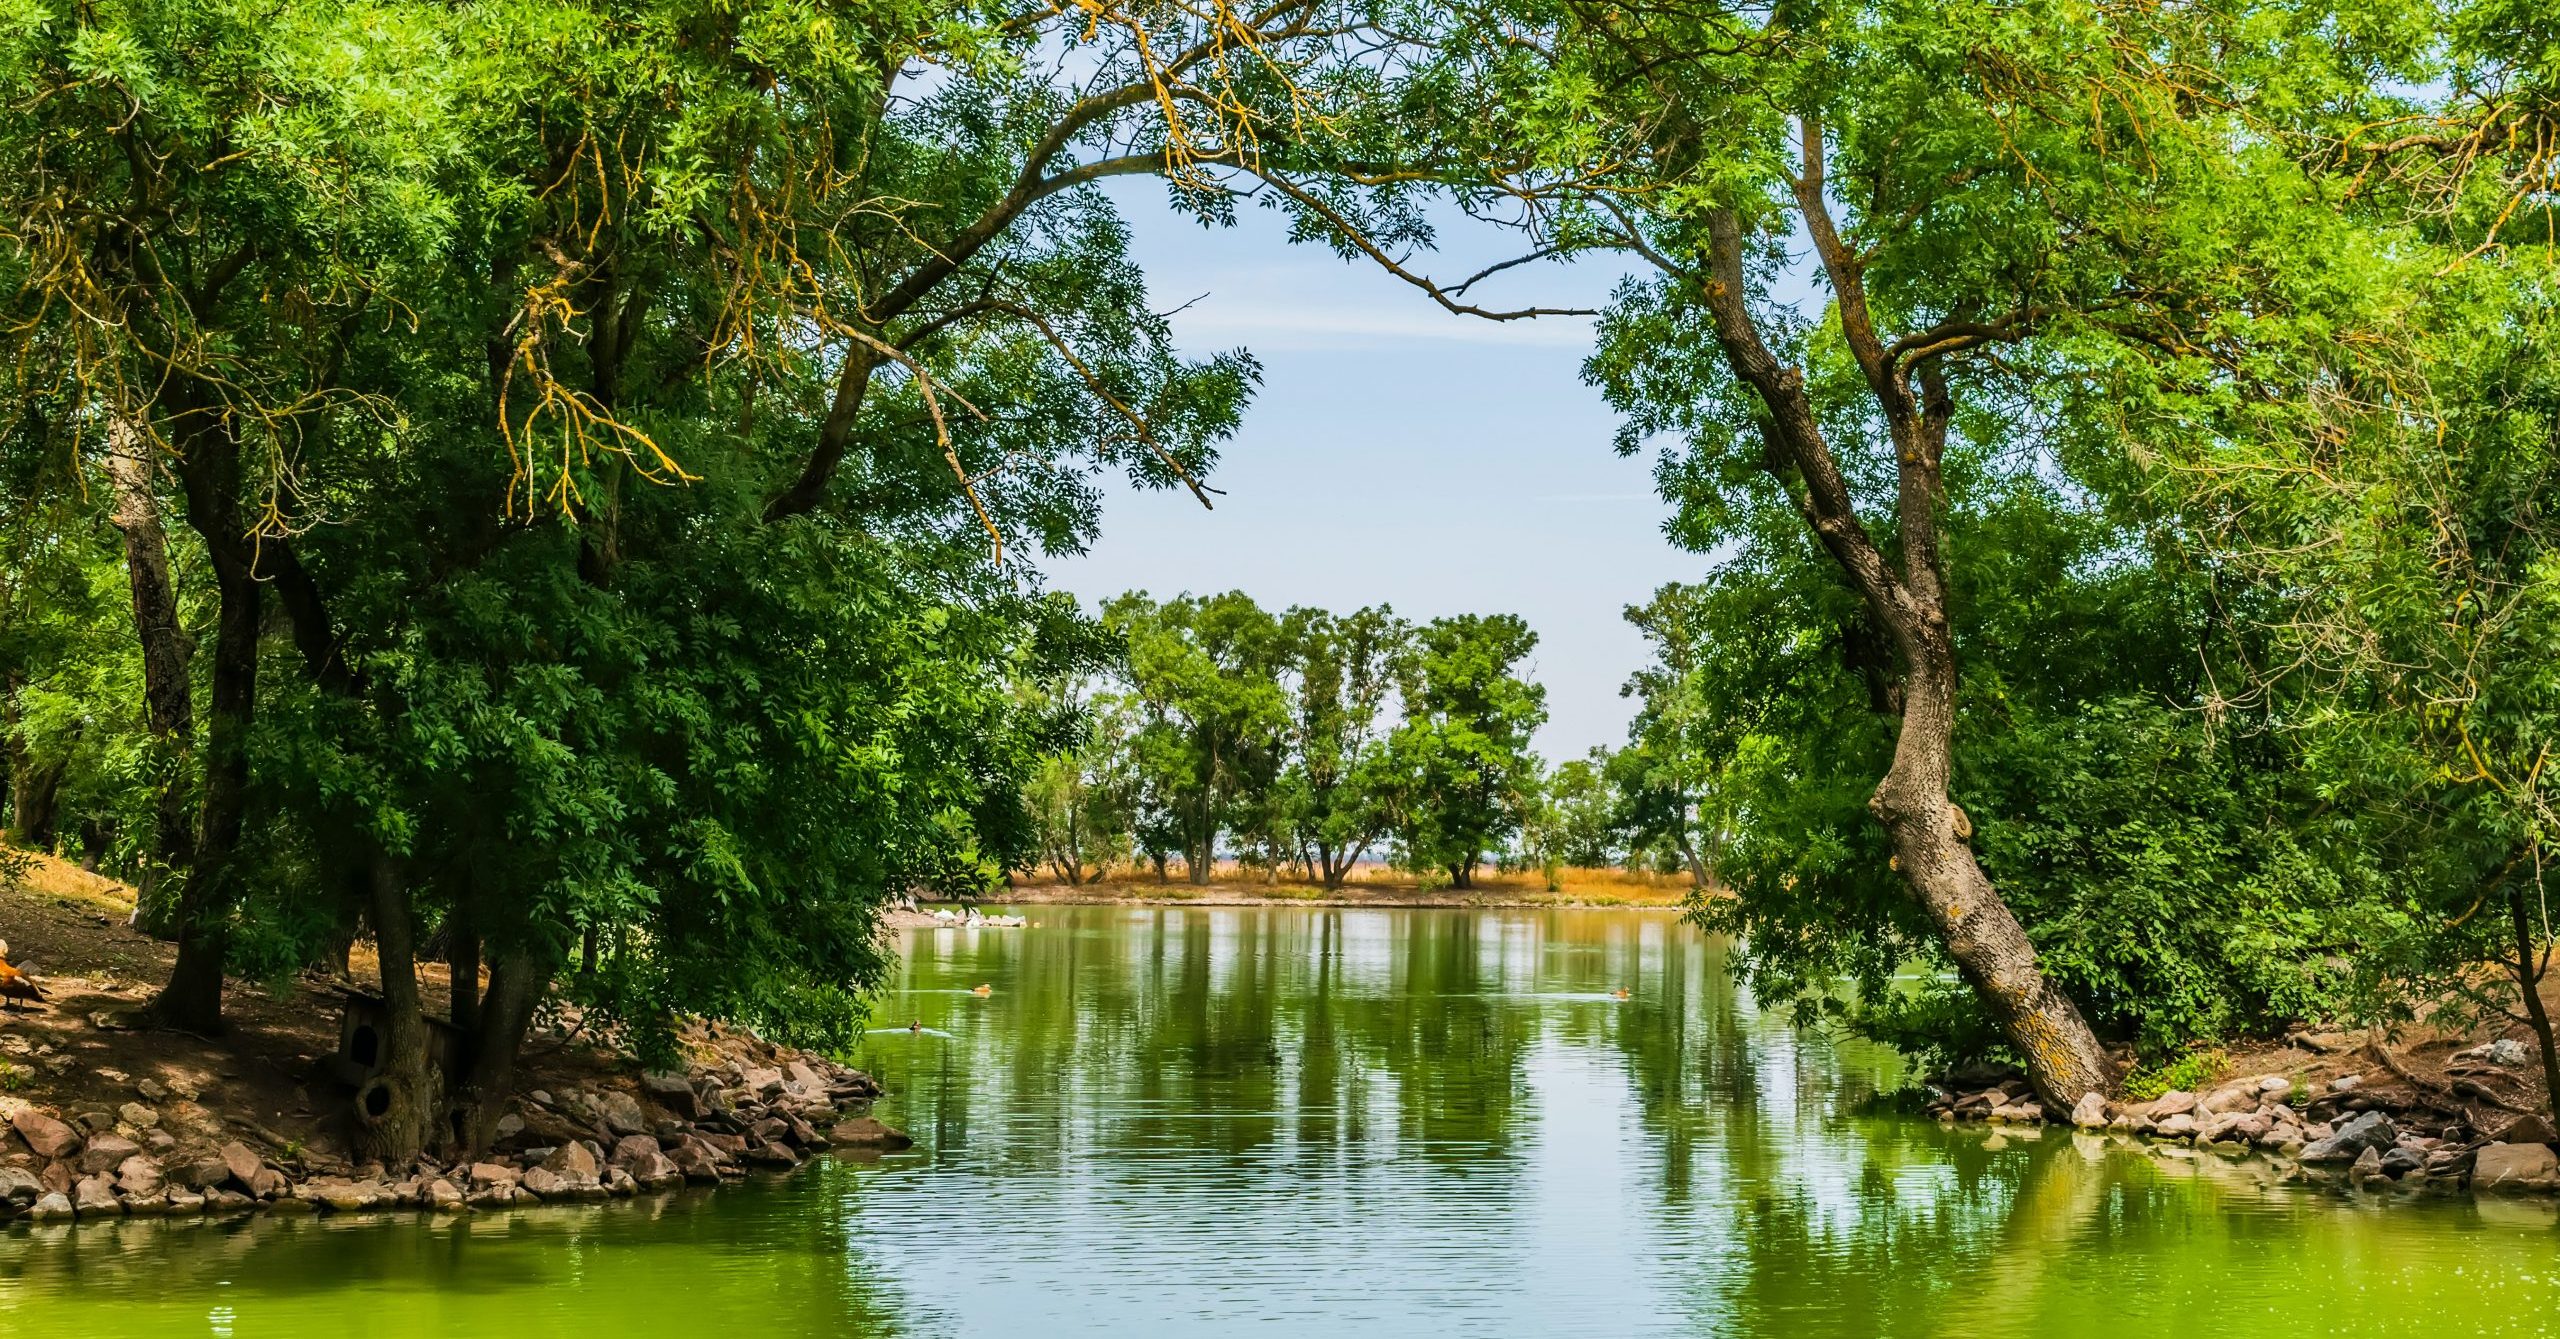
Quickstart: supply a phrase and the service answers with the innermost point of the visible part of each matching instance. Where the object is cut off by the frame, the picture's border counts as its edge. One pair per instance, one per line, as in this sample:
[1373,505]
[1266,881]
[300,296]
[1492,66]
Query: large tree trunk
[1916,405]
[36,803]
[1990,948]
[167,698]
[191,1001]
[397,1110]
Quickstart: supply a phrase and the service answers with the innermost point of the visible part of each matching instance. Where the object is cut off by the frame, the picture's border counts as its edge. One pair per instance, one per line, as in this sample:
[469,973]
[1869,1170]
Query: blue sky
[1399,454]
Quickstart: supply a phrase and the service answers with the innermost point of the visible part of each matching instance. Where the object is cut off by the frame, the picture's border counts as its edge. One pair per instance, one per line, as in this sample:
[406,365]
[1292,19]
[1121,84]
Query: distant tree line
[1299,742]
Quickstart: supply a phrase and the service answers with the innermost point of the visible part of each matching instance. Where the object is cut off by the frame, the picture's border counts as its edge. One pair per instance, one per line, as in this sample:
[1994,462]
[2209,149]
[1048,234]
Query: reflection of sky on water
[1315,1122]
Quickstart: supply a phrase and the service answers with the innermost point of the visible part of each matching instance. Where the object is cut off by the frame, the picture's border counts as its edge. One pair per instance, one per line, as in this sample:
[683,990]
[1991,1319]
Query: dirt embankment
[97,1120]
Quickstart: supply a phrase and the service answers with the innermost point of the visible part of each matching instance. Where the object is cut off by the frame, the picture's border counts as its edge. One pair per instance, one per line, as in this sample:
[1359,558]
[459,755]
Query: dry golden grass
[61,879]
[1373,883]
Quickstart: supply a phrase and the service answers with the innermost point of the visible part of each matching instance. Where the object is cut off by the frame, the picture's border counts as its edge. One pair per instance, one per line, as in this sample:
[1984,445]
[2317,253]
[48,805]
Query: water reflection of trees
[761,1260]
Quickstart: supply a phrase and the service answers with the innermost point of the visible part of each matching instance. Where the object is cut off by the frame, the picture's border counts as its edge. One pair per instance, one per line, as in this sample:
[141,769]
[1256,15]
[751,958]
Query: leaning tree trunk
[2532,962]
[168,705]
[1906,593]
[1930,836]
[396,1110]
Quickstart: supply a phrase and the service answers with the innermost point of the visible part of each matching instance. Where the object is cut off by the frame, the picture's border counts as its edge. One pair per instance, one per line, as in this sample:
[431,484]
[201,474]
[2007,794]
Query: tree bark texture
[168,703]
[1990,948]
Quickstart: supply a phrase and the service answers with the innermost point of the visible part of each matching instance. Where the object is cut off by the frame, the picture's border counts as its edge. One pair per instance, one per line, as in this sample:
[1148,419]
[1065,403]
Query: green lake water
[1329,1122]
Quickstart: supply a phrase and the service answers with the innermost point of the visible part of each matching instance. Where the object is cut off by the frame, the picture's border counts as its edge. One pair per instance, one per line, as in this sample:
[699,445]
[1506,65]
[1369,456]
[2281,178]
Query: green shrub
[2184,1075]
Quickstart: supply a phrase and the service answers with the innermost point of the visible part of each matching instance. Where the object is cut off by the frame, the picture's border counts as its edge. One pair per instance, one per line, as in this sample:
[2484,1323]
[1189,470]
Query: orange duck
[15,984]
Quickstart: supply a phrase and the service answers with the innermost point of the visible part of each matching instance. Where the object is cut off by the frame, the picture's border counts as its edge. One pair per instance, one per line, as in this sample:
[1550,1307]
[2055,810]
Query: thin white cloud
[1285,325]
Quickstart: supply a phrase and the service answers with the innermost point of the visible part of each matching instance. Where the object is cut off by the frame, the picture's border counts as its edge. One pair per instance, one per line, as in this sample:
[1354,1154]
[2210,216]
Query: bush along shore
[2395,1132]
[164,1153]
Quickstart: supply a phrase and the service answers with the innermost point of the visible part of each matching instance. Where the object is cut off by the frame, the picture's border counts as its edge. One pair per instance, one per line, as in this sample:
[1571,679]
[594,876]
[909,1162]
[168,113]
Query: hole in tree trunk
[373,1101]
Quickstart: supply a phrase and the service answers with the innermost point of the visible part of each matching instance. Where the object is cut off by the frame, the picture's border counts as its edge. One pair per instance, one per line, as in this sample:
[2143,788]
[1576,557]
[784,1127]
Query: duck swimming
[982,990]
[1620,993]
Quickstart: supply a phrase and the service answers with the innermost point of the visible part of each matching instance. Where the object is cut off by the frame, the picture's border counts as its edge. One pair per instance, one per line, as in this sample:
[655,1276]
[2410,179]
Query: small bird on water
[983,990]
[916,1027]
[1620,993]
[15,984]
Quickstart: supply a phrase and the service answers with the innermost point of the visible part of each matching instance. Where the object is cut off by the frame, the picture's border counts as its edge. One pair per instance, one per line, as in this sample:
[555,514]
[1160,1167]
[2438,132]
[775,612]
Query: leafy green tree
[1204,672]
[1085,796]
[1959,181]
[1339,770]
[1463,747]
[1585,808]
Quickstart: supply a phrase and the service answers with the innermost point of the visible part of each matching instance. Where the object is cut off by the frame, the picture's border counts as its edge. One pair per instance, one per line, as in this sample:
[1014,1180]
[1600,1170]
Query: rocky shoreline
[2350,1132]
[165,1154]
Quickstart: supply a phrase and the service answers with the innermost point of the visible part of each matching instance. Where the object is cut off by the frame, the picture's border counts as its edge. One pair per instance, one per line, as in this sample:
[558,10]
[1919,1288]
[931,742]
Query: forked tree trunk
[517,979]
[168,703]
[1909,600]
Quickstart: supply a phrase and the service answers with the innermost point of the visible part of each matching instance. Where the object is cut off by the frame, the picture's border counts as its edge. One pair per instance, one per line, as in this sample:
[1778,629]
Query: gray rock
[764,1083]
[49,1138]
[139,1177]
[2238,1126]
[137,1115]
[653,1169]
[2529,1129]
[2242,1096]
[573,1162]
[441,1196]
[2403,1160]
[2346,1083]
[105,1153]
[672,1090]
[2368,1167]
[52,1206]
[2177,1126]
[151,1090]
[349,1196]
[2515,1169]
[543,1183]
[867,1132]
[269,1184]
[19,1190]
[240,1164]
[95,1197]
[2172,1104]
[494,1174]
[621,1113]
[2367,1130]
[698,1161]
[508,1127]
[183,1200]
[2505,1051]
[632,1147]
[2274,1083]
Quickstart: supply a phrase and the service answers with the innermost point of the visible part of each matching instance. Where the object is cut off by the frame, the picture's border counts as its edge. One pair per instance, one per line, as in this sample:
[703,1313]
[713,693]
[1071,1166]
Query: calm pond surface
[1325,1122]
